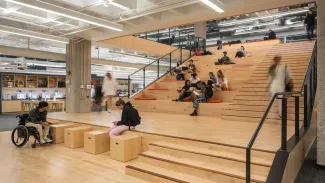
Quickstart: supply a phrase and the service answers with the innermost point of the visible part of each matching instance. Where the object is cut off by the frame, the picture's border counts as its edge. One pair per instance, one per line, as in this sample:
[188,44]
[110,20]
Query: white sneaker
[42,141]
[109,111]
[47,140]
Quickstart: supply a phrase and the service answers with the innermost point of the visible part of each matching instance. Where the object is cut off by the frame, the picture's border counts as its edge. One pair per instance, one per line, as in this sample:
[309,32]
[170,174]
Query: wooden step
[238,107]
[152,173]
[262,103]
[219,151]
[145,99]
[258,120]
[213,168]
[158,89]
[258,114]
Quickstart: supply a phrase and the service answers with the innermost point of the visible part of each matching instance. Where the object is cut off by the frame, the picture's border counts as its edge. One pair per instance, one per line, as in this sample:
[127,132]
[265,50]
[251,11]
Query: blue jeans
[310,31]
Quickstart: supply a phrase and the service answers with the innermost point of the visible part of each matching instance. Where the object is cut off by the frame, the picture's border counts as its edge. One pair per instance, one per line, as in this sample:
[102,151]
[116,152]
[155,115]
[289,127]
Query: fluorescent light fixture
[265,30]
[115,4]
[246,27]
[42,6]
[213,6]
[22,32]
[236,22]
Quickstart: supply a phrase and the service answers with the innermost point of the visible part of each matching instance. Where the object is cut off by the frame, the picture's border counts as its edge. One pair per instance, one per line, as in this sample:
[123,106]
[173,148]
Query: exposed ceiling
[133,16]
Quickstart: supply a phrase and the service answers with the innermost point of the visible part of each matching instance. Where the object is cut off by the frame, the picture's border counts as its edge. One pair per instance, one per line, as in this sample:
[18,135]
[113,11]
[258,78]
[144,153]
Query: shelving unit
[42,81]
[53,82]
[31,81]
[20,81]
[8,80]
[61,82]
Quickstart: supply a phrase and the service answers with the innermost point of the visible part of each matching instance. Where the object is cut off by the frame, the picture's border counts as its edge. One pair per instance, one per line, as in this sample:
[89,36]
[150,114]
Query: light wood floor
[57,164]
[209,129]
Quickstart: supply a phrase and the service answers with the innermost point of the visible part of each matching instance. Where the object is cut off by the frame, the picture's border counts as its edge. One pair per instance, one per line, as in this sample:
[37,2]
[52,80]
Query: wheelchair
[21,134]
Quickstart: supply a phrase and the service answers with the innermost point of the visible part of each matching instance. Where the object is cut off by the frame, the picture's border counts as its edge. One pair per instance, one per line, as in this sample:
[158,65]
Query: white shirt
[225,81]
[109,86]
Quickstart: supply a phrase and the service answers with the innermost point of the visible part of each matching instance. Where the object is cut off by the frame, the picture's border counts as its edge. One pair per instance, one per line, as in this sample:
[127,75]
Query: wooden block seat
[125,147]
[96,142]
[74,137]
[57,132]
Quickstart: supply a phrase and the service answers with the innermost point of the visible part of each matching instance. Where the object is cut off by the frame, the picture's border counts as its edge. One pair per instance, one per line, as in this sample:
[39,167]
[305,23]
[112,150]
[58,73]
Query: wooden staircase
[192,161]
[162,92]
[252,100]
[189,161]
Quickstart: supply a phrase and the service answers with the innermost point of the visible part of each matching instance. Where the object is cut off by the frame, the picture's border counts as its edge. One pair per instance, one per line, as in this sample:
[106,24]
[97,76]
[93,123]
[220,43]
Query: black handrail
[307,114]
[154,61]
[181,51]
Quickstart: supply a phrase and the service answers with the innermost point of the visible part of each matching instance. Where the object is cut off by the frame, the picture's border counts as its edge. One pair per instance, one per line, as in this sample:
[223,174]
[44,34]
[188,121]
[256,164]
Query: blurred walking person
[279,80]
[98,97]
[310,24]
[109,90]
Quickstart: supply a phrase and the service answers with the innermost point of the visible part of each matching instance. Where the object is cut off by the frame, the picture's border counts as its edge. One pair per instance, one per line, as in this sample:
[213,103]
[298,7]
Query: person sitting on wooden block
[37,119]
[130,118]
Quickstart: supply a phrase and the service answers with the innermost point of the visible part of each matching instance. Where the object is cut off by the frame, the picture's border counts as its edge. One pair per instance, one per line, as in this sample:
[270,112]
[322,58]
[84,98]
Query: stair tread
[220,151]
[162,172]
[229,168]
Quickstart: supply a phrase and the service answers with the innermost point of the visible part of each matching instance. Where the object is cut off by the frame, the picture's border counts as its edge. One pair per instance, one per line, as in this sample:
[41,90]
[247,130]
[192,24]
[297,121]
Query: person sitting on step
[37,119]
[203,94]
[185,92]
[194,80]
[129,119]
[224,60]
[191,67]
[213,78]
[242,53]
[222,82]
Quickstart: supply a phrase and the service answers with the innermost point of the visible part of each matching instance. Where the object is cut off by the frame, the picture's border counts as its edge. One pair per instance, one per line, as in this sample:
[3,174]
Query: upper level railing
[308,91]
[157,69]
[177,38]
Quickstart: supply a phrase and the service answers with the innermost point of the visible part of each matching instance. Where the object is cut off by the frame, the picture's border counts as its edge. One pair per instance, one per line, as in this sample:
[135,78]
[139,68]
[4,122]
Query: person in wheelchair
[37,119]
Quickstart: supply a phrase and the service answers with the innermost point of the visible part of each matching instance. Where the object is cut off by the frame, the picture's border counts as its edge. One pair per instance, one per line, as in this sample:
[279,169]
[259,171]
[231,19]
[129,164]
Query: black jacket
[130,116]
[310,19]
[272,35]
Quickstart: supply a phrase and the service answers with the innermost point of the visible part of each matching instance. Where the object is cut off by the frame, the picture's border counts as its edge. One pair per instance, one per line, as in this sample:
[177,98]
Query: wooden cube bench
[57,132]
[74,137]
[125,147]
[96,142]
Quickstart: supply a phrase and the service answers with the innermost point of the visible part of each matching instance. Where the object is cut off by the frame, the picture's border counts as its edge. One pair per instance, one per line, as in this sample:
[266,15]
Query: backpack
[180,77]
[208,92]
[135,118]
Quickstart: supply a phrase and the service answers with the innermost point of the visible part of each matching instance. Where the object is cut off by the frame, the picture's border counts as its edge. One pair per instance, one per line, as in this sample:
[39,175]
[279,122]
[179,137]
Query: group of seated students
[197,91]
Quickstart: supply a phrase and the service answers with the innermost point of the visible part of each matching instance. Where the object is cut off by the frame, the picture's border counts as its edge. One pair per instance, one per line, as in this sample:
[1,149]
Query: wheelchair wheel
[19,136]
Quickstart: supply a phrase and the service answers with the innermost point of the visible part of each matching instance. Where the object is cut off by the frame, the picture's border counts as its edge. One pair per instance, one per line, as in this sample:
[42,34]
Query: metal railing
[308,91]
[155,70]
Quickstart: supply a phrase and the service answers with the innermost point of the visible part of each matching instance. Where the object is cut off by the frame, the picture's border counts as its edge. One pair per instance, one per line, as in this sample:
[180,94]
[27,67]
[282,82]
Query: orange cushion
[210,101]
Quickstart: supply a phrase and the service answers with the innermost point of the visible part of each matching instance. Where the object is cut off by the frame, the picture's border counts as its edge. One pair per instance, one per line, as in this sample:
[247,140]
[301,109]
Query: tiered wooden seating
[251,101]
[164,91]
[193,161]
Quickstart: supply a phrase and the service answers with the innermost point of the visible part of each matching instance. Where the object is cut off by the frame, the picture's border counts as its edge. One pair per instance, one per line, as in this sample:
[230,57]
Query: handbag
[288,82]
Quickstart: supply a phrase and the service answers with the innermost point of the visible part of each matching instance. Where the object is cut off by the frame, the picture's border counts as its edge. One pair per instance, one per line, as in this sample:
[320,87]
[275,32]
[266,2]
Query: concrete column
[200,30]
[78,60]
[321,82]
